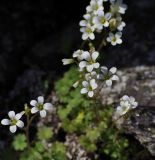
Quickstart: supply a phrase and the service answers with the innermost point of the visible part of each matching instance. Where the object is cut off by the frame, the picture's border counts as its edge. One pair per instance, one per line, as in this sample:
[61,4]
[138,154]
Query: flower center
[13,121]
[106,77]
[114,39]
[102,20]
[40,106]
[88,30]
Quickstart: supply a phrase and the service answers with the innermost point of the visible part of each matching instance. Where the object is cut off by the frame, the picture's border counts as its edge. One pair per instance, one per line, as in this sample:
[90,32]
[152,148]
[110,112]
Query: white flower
[90,75]
[121,25]
[88,32]
[117,23]
[67,61]
[78,54]
[90,61]
[126,104]
[115,38]
[86,21]
[14,121]
[40,107]
[118,7]
[95,6]
[101,20]
[108,75]
[131,100]
[89,87]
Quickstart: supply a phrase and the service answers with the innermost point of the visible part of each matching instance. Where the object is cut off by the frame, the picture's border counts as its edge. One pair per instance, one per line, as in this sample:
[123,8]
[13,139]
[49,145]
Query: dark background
[36,35]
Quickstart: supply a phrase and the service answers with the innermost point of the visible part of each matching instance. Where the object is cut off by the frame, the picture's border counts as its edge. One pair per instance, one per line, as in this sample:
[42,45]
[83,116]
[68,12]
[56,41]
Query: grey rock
[138,82]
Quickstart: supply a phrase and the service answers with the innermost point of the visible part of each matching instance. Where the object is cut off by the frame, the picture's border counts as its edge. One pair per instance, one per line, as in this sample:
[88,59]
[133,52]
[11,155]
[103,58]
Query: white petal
[92,36]
[48,106]
[113,70]
[33,103]
[108,83]
[11,114]
[104,70]
[108,39]
[95,55]
[115,78]
[5,122]
[43,113]
[119,41]
[85,84]
[82,64]
[18,116]
[83,23]
[13,129]
[125,98]
[86,56]
[20,124]
[107,16]
[90,93]
[34,110]
[106,24]
[84,36]
[90,67]
[67,61]
[118,34]
[101,13]
[96,65]
[93,84]
[41,99]
[84,90]
[87,16]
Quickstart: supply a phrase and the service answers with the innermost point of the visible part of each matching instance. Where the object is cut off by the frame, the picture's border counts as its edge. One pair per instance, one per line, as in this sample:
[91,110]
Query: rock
[138,82]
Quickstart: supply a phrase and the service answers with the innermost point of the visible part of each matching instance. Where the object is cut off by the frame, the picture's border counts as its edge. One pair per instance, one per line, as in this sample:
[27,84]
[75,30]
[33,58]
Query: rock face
[140,83]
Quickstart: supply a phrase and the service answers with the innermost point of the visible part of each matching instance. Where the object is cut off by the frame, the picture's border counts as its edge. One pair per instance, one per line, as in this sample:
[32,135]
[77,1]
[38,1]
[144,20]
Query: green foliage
[90,120]
[41,152]
[44,133]
[58,151]
[19,142]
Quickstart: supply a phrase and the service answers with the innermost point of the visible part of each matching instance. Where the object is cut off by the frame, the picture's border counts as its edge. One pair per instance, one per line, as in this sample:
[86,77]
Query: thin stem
[27,132]
[103,43]
[29,121]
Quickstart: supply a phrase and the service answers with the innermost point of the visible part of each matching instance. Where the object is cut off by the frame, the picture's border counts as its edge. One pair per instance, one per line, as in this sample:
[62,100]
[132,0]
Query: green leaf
[45,133]
[19,142]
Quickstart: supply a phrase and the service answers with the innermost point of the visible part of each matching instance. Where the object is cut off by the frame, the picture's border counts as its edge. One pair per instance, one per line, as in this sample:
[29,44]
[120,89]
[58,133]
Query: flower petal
[82,64]
[20,124]
[92,36]
[108,82]
[95,55]
[13,129]
[41,99]
[34,110]
[90,68]
[93,84]
[115,78]
[84,90]
[33,103]
[85,84]
[43,113]
[86,56]
[48,106]
[18,116]
[5,122]
[90,93]
[113,70]
[11,114]
[104,70]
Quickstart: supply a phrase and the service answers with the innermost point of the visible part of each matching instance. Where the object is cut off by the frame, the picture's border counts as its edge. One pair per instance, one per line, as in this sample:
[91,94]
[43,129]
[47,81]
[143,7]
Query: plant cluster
[82,115]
